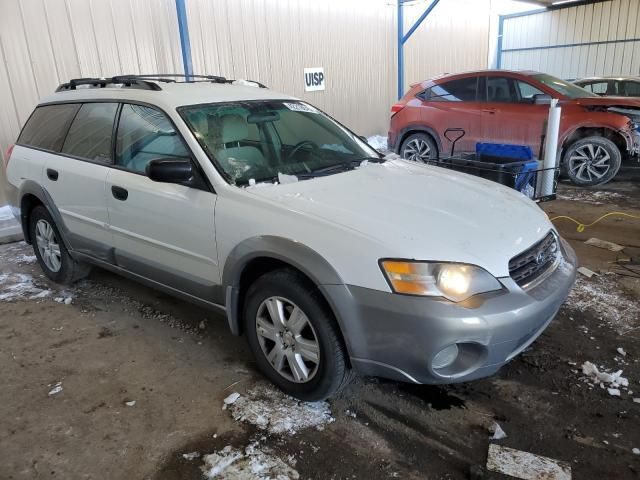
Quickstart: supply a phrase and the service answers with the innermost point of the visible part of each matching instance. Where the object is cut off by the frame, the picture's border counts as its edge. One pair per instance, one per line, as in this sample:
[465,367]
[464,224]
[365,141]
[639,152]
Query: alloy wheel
[288,339]
[417,150]
[589,162]
[48,246]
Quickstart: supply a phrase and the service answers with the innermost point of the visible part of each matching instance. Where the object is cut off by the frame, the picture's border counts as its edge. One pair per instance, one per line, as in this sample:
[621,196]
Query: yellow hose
[582,226]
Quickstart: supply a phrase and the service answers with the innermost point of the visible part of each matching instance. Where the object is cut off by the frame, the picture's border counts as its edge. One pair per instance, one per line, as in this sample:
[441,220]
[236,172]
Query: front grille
[534,262]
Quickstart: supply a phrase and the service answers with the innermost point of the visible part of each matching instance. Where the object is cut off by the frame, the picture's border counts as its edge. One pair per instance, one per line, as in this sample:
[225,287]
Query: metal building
[45,42]
[593,39]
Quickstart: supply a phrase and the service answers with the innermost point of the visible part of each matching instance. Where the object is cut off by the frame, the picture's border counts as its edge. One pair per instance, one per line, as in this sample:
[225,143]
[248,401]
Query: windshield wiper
[339,167]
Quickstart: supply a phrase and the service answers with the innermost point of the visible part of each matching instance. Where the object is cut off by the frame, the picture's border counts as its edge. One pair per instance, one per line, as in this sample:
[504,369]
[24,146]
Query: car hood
[609,102]
[421,212]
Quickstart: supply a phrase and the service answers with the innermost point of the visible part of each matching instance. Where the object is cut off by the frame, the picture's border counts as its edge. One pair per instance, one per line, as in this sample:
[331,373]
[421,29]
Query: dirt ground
[108,342]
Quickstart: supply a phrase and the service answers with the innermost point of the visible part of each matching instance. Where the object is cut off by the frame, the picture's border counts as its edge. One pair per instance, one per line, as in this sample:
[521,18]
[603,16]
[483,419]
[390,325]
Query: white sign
[313,79]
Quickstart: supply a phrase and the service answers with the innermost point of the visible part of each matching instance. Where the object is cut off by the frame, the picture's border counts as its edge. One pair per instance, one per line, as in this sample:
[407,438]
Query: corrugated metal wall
[609,21]
[274,40]
[46,42]
[454,38]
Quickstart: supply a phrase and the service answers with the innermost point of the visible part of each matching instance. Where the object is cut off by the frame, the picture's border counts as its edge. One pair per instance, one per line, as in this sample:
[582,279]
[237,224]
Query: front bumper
[398,336]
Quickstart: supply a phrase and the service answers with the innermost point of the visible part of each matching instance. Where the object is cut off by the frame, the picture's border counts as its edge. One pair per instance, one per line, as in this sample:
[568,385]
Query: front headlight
[454,281]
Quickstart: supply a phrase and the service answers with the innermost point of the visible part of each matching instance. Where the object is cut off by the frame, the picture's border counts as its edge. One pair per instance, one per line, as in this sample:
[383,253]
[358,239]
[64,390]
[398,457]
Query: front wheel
[592,161]
[419,147]
[294,339]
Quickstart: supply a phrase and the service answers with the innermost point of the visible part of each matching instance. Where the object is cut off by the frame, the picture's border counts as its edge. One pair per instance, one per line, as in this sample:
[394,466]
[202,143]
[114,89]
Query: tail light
[396,107]
[7,156]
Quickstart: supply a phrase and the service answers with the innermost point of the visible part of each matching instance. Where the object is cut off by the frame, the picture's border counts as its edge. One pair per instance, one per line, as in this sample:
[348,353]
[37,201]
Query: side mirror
[542,99]
[170,170]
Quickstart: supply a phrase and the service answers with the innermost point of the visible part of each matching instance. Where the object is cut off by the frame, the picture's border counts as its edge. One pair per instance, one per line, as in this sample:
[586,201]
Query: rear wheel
[592,161]
[419,147]
[52,255]
[294,339]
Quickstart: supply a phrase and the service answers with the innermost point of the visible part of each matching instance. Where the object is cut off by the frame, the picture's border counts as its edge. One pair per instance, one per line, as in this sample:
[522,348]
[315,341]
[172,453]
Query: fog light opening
[445,357]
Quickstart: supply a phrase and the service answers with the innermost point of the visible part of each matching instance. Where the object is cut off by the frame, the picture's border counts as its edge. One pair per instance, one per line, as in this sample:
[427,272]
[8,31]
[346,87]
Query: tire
[52,255]
[419,147]
[288,342]
[591,161]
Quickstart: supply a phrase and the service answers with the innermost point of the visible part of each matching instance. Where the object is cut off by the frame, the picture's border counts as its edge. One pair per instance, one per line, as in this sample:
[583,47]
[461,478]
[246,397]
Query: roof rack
[127,81]
[146,81]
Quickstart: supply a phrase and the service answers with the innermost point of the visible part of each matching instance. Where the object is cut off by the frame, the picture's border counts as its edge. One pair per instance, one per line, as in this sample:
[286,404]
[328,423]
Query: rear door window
[47,126]
[463,90]
[89,137]
[631,89]
[599,88]
[146,134]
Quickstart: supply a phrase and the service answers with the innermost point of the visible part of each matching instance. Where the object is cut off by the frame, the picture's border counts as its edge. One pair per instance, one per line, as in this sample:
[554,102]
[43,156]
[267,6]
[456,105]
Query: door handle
[119,193]
[52,174]
[489,110]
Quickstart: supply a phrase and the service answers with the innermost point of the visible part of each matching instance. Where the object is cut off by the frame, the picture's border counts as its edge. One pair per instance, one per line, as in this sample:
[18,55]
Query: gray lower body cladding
[423,340]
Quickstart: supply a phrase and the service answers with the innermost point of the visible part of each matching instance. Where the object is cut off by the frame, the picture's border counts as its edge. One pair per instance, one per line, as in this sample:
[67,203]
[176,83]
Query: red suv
[497,106]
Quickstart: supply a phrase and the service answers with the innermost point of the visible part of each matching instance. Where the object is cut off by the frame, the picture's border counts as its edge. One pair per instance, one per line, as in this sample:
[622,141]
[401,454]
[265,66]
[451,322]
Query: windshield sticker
[300,107]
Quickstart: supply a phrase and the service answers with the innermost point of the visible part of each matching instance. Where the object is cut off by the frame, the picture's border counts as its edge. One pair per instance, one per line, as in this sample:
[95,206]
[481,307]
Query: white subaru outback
[330,258]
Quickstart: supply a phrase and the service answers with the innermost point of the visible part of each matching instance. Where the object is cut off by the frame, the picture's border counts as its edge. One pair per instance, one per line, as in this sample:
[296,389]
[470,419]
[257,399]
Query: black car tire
[591,161]
[70,270]
[332,373]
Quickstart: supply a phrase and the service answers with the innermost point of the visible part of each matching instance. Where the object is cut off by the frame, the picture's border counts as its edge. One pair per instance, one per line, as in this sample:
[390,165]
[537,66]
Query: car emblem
[540,258]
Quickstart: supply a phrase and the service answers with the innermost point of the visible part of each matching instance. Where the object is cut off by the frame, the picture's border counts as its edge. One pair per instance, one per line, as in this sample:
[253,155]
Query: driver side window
[146,134]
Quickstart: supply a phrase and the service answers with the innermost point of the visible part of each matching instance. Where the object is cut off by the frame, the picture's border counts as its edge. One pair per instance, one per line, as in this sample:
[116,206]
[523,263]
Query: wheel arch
[411,129]
[32,195]
[594,131]
[256,256]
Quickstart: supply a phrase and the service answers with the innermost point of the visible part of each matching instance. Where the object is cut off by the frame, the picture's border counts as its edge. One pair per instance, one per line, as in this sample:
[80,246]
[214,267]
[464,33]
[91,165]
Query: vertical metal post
[400,51]
[185,43]
[500,34]
[403,38]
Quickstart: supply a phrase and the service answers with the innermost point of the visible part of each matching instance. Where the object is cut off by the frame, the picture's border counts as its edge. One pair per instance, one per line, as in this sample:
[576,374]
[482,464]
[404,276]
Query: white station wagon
[330,258]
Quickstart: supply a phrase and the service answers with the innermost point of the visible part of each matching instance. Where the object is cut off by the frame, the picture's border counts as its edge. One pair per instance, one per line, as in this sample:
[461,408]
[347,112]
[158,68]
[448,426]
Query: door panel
[454,104]
[165,232]
[78,193]
[162,231]
[76,178]
[509,116]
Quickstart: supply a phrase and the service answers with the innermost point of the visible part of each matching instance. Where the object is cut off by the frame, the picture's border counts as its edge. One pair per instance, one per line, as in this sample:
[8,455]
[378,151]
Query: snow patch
[57,388]
[604,298]
[590,196]
[277,413]
[615,383]
[250,463]
[379,142]
[191,456]
[5,213]
[19,286]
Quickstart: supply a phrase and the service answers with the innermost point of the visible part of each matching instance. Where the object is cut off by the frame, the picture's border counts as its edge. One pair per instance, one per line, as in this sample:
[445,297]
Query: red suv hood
[609,101]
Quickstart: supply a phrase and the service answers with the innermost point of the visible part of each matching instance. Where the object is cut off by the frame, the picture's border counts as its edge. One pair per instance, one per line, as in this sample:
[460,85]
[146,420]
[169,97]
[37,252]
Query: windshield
[564,88]
[258,141]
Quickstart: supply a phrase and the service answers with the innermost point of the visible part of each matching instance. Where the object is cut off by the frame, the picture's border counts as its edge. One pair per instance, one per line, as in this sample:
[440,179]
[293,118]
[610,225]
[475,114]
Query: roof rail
[145,82]
[171,78]
[125,80]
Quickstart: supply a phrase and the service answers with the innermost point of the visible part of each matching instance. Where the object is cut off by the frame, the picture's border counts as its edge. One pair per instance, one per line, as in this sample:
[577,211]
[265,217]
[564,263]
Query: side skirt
[150,283]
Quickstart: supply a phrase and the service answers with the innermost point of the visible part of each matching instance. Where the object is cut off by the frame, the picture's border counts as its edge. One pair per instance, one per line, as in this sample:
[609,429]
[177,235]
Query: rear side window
[463,90]
[146,134]
[90,134]
[599,87]
[632,89]
[47,126]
